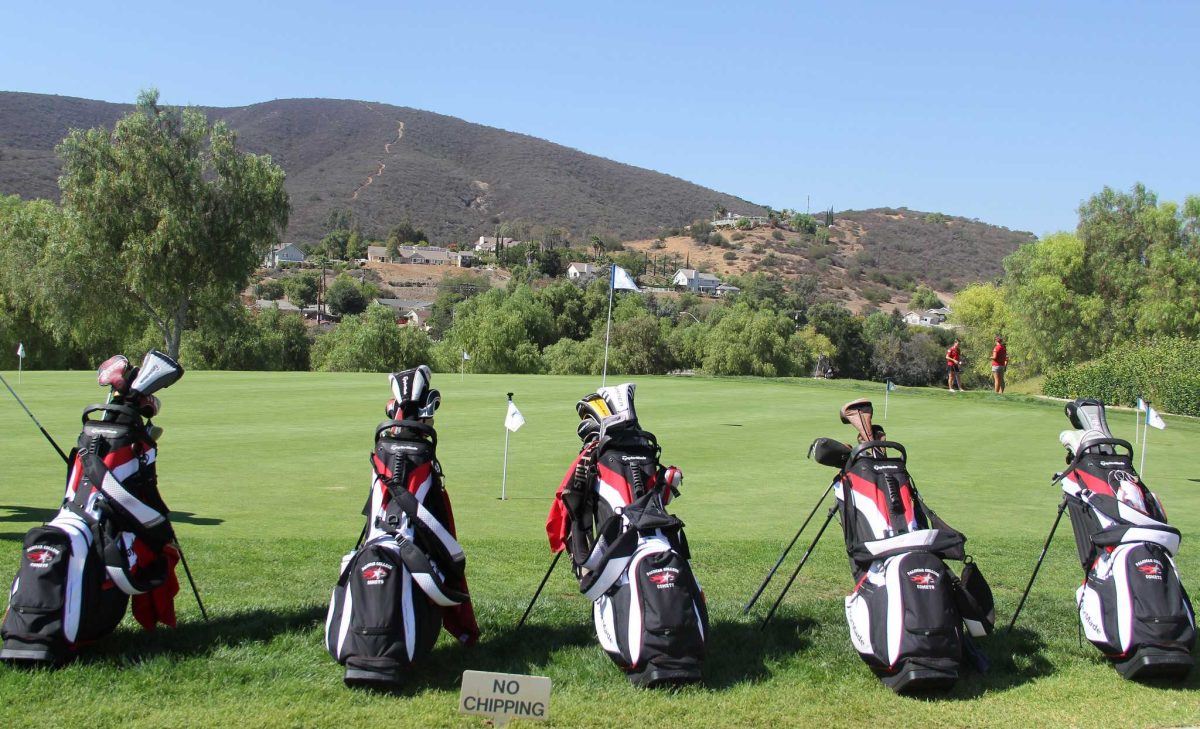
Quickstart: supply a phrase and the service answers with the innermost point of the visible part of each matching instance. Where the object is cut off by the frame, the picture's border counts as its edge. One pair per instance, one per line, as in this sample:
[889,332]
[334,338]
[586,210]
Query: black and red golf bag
[631,557]
[911,618]
[111,538]
[406,578]
[1132,604]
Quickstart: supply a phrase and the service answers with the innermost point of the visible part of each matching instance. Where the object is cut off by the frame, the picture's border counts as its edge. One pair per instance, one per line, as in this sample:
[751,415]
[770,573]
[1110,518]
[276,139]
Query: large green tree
[167,215]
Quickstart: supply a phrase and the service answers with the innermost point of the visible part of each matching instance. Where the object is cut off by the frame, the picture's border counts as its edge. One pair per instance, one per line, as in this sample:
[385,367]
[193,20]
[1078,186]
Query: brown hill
[453,179]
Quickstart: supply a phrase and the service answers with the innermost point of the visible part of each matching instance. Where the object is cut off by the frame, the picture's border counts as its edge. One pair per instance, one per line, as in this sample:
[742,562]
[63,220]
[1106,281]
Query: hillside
[453,179]
[457,180]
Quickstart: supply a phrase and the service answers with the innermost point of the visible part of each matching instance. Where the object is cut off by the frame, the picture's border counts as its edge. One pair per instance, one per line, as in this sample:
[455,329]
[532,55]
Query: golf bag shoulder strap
[620,537]
[145,520]
[123,413]
[426,576]
[429,532]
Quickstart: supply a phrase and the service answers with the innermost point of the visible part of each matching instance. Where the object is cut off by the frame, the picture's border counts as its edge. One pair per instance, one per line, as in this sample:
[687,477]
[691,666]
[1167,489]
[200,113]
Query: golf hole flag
[21,350]
[514,420]
[622,280]
[1153,419]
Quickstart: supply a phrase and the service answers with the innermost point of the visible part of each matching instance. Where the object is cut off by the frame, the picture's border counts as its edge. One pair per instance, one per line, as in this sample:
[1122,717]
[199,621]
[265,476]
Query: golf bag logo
[663,578]
[41,556]
[376,573]
[1151,569]
[924,579]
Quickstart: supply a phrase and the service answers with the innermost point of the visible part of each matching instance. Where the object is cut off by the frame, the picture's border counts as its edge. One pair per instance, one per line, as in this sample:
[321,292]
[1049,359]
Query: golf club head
[114,372]
[829,452]
[156,372]
[858,413]
[148,406]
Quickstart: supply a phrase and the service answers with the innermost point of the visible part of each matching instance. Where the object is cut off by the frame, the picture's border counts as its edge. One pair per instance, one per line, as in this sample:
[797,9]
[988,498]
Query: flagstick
[1137,420]
[1145,438]
[887,390]
[612,274]
[504,478]
[20,367]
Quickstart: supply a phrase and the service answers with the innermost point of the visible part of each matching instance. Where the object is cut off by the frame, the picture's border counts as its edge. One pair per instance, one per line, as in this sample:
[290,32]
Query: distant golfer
[999,363]
[954,366]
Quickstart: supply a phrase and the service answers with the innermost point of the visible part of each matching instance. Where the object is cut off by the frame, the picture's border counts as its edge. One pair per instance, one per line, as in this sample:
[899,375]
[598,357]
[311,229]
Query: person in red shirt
[953,366]
[999,363]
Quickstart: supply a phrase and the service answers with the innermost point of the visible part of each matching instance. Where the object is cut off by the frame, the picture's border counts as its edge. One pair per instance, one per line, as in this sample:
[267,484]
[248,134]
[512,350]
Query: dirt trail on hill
[387,150]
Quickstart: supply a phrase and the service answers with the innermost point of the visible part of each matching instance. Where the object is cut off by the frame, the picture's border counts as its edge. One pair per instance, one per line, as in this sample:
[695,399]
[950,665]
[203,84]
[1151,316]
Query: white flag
[622,280]
[466,356]
[1153,418]
[514,420]
[1141,405]
[21,350]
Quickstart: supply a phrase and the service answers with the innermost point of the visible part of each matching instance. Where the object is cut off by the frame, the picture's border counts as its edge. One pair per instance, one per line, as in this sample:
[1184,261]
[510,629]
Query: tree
[371,342]
[168,213]
[925,298]
[301,288]
[345,296]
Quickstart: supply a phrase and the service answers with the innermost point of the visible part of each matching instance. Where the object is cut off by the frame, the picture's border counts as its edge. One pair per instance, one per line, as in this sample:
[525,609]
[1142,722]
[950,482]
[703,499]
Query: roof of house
[405,305]
[373,251]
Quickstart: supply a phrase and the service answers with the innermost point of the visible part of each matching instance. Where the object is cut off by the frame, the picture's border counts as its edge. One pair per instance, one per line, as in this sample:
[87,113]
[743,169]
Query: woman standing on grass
[999,363]
[954,366]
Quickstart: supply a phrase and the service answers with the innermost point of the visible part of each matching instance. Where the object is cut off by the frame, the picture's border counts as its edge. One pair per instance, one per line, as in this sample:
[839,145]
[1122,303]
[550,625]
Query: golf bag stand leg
[758,593]
[553,564]
[1061,507]
[792,579]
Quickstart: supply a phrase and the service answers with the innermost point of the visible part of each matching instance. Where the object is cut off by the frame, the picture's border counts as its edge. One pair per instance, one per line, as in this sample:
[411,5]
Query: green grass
[267,474]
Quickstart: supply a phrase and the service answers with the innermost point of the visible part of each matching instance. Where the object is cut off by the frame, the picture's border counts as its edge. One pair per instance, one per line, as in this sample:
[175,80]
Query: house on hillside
[730,220]
[695,281]
[487,244]
[379,254]
[727,289]
[284,254]
[580,270]
[927,318]
[423,255]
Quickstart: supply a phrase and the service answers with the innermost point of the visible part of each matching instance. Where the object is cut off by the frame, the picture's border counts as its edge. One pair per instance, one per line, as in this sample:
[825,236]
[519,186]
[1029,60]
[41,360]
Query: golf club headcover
[858,413]
[157,371]
[114,372]
[673,479]
[410,388]
[619,399]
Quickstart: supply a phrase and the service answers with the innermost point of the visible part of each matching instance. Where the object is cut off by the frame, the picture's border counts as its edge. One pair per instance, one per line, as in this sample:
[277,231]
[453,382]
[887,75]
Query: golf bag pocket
[653,623]
[1132,599]
[903,612]
[973,596]
[60,596]
[379,620]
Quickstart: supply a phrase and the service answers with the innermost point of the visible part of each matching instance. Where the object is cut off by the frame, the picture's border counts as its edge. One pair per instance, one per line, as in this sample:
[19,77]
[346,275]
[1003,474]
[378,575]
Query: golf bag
[1132,604]
[629,555]
[111,538]
[908,609]
[406,578]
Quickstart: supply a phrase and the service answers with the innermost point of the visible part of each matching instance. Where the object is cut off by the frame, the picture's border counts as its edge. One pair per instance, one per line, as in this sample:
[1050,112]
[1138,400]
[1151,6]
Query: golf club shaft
[771,574]
[1038,566]
[529,609]
[792,579]
[35,420]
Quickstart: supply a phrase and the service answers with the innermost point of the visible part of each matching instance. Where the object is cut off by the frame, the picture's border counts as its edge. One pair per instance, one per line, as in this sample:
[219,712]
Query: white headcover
[1074,440]
[620,403]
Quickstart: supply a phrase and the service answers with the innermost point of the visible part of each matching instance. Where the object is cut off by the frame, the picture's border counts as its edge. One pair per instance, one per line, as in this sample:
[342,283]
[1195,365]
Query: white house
[695,281]
[378,254]
[579,270]
[488,244]
[730,220]
[284,254]
[927,318]
[727,289]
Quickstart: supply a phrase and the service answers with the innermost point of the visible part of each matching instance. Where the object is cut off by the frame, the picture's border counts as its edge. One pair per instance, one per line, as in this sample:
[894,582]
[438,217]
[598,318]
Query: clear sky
[1012,113]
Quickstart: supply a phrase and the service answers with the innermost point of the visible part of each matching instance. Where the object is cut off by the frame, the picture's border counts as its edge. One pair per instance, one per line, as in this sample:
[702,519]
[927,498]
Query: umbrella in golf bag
[908,608]
[111,538]
[629,555]
[406,578]
[1132,604]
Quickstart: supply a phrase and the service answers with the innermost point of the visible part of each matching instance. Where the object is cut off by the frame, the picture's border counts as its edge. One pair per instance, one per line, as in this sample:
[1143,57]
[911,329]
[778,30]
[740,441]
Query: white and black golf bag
[911,618]
[1132,604]
[406,579]
[111,538]
[631,557]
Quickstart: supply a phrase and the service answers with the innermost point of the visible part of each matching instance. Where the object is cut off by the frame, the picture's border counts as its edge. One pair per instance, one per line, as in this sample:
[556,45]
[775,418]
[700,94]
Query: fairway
[266,474]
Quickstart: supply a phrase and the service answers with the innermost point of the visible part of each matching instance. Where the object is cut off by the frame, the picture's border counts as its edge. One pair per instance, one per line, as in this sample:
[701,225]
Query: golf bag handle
[1121,442]
[872,444]
[422,428]
[110,408]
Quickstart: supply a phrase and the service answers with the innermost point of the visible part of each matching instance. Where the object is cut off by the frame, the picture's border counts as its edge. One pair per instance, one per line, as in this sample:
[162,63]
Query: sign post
[503,697]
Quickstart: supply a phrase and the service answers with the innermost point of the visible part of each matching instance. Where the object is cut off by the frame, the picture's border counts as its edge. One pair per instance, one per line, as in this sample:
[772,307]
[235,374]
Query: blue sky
[1012,113]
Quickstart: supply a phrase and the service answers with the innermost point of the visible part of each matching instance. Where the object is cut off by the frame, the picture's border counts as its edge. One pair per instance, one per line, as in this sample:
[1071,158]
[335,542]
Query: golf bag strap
[1165,536]
[426,576]
[431,532]
[579,499]
[147,521]
[116,565]
[609,559]
[922,540]
[422,428]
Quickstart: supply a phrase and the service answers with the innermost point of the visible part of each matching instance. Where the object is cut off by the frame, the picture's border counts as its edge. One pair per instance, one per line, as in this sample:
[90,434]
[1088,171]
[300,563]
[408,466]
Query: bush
[371,342]
[716,239]
[269,289]
[730,256]
[1166,372]
[345,296]
[777,234]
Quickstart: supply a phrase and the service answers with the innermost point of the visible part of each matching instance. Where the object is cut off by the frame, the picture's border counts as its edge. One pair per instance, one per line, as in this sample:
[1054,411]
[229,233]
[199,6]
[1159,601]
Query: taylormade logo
[633,458]
[1113,463]
[886,468]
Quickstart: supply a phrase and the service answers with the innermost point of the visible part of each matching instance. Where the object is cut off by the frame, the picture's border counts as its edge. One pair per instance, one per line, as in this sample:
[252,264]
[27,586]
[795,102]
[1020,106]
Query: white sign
[503,697]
